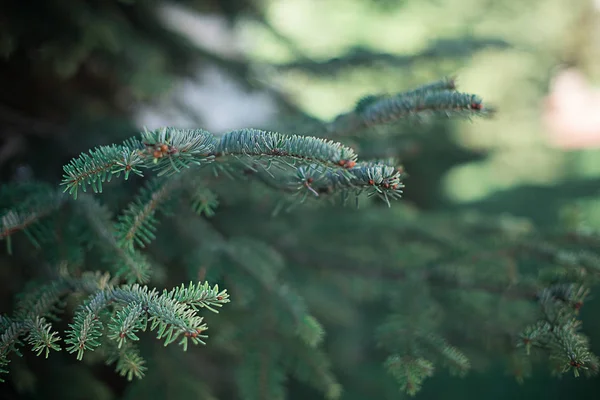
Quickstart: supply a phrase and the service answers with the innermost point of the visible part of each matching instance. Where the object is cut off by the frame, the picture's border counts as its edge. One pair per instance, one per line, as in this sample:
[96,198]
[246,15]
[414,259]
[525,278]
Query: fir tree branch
[410,372]
[438,98]
[130,364]
[137,224]
[172,314]
[127,359]
[312,366]
[99,166]
[86,329]
[258,376]
[35,203]
[453,358]
[199,296]
[32,309]
[133,265]
[168,150]
[545,250]
[263,264]
[38,334]
[432,273]
[557,333]
[254,142]
[40,337]
[203,201]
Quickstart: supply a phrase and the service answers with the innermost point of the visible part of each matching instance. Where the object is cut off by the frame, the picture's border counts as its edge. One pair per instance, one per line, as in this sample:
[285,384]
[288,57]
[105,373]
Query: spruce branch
[172,314]
[127,359]
[456,361]
[133,307]
[203,201]
[376,178]
[99,166]
[258,375]
[126,323]
[44,301]
[570,352]
[27,212]
[38,334]
[409,372]
[164,150]
[130,263]
[168,150]
[136,225]
[263,264]
[438,98]
[311,365]
[41,337]
[130,364]
[434,99]
[199,296]
[254,142]
[557,333]
[86,329]
[34,307]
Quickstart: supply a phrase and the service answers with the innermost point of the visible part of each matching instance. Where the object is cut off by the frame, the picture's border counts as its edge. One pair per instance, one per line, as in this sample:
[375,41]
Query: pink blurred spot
[572,112]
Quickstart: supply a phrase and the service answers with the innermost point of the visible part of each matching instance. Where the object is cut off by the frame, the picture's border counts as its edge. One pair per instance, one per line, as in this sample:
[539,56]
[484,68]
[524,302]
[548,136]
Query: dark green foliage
[417,332]
[326,301]
[300,164]
[441,278]
[34,203]
[123,310]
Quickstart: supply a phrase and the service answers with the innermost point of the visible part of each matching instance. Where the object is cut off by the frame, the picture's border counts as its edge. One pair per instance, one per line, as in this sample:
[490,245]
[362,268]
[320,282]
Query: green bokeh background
[545,35]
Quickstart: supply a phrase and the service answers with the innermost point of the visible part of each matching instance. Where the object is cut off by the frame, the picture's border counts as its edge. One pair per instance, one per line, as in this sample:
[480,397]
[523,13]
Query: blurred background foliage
[543,36]
[111,69]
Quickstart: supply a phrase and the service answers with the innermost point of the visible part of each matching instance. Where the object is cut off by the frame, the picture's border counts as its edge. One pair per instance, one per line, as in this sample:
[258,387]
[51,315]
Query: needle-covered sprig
[169,150]
[321,164]
[437,98]
[173,314]
[30,205]
[254,142]
[99,166]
